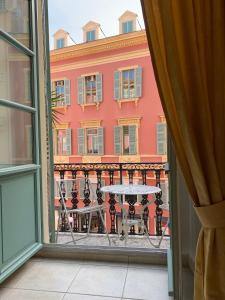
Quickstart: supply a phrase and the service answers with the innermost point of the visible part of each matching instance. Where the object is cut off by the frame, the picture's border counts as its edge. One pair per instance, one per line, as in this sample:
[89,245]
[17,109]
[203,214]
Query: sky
[72,15]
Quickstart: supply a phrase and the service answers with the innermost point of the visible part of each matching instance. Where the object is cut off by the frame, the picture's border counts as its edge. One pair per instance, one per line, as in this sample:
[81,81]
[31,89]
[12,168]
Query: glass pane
[14,19]
[15,74]
[16,138]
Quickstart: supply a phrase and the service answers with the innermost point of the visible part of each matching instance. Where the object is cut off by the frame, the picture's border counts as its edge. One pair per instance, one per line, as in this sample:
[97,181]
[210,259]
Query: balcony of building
[155,215]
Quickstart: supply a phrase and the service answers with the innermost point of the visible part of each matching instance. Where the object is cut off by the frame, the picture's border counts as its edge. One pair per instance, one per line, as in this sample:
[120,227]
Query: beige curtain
[187,43]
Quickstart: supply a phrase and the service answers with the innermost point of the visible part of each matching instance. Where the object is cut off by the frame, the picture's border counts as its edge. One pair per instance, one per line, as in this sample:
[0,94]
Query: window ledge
[125,100]
[129,158]
[89,104]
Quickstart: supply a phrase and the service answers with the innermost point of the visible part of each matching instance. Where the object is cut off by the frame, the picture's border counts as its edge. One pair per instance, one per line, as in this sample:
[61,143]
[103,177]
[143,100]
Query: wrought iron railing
[114,173]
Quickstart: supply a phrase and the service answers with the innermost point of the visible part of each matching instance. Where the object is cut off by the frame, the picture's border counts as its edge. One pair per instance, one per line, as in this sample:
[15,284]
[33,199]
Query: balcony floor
[93,239]
[52,279]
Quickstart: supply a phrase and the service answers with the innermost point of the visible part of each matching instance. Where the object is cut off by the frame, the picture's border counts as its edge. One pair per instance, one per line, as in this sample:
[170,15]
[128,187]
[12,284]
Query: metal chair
[93,207]
[128,223]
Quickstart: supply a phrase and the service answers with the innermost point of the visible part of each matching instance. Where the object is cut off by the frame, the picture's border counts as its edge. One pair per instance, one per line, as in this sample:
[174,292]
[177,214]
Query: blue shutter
[117,95]
[68,141]
[138,82]
[117,140]
[129,26]
[81,188]
[165,194]
[161,138]
[99,88]
[80,90]
[101,140]
[132,139]
[81,141]
[67,91]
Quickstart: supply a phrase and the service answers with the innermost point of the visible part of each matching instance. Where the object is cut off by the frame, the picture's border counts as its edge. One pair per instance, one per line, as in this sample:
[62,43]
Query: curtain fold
[187,44]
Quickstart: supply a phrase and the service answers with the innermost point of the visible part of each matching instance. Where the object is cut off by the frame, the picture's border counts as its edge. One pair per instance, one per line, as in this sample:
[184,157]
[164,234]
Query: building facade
[109,106]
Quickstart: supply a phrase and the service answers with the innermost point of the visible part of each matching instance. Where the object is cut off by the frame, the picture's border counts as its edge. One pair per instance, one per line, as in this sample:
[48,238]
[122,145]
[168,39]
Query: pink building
[111,110]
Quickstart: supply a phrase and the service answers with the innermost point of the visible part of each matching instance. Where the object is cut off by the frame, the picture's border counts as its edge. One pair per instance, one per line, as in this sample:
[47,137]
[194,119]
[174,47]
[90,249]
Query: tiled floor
[51,279]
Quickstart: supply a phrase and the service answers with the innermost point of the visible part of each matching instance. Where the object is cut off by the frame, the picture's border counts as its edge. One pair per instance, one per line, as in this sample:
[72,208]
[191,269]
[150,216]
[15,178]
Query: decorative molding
[90,123]
[129,158]
[162,119]
[101,61]
[100,45]
[62,126]
[89,104]
[61,159]
[129,121]
[91,159]
[127,68]
[121,101]
[89,74]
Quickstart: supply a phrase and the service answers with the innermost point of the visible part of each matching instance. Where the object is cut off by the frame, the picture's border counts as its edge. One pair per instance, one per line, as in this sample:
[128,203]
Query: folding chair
[128,223]
[93,206]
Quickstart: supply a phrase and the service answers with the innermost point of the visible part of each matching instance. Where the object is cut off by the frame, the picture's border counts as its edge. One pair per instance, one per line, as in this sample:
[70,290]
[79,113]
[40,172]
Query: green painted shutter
[80,89]
[117,95]
[101,140]
[99,88]
[68,141]
[161,138]
[54,143]
[117,140]
[132,139]
[67,92]
[81,141]
[138,82]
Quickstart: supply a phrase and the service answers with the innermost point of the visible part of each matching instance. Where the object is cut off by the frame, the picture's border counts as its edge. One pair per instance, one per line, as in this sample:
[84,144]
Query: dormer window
[90,36]
[60,43]
[127,27]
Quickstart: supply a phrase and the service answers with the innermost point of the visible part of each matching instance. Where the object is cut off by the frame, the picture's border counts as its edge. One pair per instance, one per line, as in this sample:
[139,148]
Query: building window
[90,35]
[128,84]
[127,27]
[60,43]
[61,143]
[161,138]
[61,92]
[92,140]
[128,87]
[125,140]
[90,89]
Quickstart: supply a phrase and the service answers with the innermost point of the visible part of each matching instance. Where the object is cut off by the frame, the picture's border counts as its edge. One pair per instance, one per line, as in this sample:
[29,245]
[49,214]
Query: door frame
[34,168]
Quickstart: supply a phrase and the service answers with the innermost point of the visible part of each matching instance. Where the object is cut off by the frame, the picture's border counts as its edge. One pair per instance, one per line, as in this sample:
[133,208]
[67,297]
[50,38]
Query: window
[60,43]
[61,92]
[128,84]
[90,89]
[128,88]
[62,141]
[127,26]
[125,140]
[90,36]
[161,138]
[92,140]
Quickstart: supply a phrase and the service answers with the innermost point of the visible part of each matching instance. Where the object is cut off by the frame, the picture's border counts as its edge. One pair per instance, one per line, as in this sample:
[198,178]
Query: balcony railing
[155,216]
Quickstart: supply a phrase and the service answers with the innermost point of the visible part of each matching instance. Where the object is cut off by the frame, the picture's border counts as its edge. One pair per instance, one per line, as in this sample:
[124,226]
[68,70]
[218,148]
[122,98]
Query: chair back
[82,187]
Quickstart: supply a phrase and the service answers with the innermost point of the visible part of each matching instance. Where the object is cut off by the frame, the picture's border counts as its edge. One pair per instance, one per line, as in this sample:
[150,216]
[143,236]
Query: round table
[130,189]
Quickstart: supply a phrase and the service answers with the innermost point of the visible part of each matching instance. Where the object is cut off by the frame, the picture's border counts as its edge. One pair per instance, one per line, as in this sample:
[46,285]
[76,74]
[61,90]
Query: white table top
[131,189]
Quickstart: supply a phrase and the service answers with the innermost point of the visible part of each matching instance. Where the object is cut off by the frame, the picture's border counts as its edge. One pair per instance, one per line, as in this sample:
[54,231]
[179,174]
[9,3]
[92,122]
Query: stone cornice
[98,46]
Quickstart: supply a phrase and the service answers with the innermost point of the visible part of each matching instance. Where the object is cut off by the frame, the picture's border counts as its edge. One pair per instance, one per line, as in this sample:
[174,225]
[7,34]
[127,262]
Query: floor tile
[147,284]
[99,280]
[87,297]
[16,294]
[44,276]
